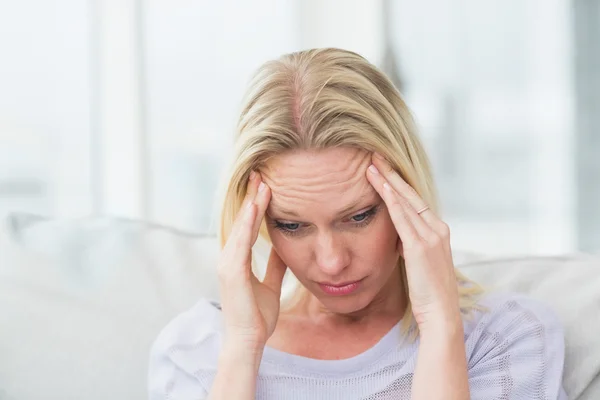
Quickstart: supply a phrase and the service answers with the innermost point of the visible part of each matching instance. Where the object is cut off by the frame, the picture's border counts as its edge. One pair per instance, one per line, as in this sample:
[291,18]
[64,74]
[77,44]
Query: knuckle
[444,230]
[435,241]
[387,168]
[418,246]
[395,204]
[399,212]
[397,199]
[411,190]
[247,224]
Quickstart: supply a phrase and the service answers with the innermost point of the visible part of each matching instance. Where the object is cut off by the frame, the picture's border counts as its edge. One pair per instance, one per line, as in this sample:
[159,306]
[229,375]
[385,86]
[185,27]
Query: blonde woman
[330,171]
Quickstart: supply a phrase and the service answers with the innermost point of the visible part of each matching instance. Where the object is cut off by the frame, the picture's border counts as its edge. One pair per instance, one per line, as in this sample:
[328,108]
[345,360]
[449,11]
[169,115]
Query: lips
[339,289]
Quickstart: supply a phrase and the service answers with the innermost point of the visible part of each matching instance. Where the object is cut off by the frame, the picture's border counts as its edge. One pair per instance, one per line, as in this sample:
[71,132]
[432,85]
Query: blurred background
[127,107]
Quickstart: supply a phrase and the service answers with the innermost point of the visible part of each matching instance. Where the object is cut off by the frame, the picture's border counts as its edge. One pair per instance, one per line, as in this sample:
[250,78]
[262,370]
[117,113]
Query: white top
[515,350]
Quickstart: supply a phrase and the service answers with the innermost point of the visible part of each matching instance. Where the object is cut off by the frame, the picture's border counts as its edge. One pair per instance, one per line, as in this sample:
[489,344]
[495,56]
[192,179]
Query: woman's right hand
[250,307]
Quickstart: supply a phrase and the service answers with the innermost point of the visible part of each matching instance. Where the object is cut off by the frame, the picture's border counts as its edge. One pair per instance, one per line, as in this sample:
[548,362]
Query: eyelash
[368,217]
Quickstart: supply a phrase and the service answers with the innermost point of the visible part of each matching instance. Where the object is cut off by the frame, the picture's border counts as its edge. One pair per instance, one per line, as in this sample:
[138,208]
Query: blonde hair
[322,98]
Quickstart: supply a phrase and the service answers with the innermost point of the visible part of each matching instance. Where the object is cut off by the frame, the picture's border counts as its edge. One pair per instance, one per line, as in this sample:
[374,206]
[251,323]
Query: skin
[308,189]
[329,245]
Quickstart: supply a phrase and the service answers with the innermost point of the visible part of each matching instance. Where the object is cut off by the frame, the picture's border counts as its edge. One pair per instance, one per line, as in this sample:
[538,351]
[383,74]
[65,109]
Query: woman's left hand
[425,247]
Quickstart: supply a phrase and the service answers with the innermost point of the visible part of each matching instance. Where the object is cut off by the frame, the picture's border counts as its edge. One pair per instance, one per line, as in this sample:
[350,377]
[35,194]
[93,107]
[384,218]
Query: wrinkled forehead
[318,181]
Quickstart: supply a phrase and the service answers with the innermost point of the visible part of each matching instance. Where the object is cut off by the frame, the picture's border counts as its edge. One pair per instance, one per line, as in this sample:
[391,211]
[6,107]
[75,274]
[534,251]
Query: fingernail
[252,175]
[373,169]
[379,156]
[249,205]
[387,187]
[261,187]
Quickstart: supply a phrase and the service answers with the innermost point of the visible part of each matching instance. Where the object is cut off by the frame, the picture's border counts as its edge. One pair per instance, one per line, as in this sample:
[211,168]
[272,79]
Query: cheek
[290,251]
[382,242]
[375,246]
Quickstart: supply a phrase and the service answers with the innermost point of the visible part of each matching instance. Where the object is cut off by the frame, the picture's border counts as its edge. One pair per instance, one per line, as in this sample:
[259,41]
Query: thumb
[275,272]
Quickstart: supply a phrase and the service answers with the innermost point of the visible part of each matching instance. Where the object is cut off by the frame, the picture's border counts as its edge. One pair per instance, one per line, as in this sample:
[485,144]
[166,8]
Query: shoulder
[510,312]
[509,318]
[200,323]
[185,353]
[514,344]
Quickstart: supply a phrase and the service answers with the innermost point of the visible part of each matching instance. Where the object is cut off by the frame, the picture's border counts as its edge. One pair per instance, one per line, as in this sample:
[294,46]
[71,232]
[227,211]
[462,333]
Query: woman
[329,169]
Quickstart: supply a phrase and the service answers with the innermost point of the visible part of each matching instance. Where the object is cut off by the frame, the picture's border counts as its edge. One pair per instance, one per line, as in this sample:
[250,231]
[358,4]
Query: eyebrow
[341,212]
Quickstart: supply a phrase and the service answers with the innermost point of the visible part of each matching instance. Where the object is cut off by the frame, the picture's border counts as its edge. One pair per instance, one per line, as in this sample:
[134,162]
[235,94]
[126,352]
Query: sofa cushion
[81,302]
[571,286]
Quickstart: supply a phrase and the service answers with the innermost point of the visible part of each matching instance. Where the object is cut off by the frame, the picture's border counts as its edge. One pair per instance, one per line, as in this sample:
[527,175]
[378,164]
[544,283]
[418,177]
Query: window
[128,108]
[200,57]
[491,87]
[45,115]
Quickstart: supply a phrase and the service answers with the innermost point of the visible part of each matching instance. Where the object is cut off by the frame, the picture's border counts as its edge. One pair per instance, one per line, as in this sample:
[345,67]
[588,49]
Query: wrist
[237,370]
[241,352]
[442,327]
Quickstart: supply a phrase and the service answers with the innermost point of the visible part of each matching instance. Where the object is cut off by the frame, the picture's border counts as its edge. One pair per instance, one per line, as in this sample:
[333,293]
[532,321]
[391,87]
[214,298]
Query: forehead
[313,181]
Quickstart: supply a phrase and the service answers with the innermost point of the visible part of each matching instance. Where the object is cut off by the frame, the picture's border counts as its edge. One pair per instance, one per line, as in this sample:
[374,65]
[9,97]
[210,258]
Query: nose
[331,254]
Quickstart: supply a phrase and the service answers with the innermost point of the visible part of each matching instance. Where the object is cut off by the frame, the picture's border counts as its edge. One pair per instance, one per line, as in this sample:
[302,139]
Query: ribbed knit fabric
[515,350]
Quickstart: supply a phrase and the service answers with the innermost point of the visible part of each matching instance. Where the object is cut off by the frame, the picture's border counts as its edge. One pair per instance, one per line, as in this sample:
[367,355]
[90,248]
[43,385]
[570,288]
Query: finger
[406,230]
[275,272]
[251,190]
[404,189]
[378,181]
[410,215]
[237,251]
[262,198]
[240,224]
[252,186]
[246,231]
[242,236]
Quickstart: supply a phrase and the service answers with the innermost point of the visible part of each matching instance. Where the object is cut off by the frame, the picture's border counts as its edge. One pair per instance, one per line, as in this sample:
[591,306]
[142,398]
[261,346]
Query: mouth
[339,289]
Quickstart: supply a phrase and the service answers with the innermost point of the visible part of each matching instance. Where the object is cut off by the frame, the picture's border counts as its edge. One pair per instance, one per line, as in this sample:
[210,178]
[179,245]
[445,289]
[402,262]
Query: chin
[350,304]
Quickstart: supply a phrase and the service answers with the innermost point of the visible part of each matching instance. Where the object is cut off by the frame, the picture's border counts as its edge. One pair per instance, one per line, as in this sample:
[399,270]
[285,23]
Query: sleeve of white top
[516,351]
[184,349]
[167,382]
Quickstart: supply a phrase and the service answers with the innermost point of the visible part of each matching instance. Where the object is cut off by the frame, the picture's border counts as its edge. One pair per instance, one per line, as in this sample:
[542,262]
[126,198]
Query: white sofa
[82,300]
